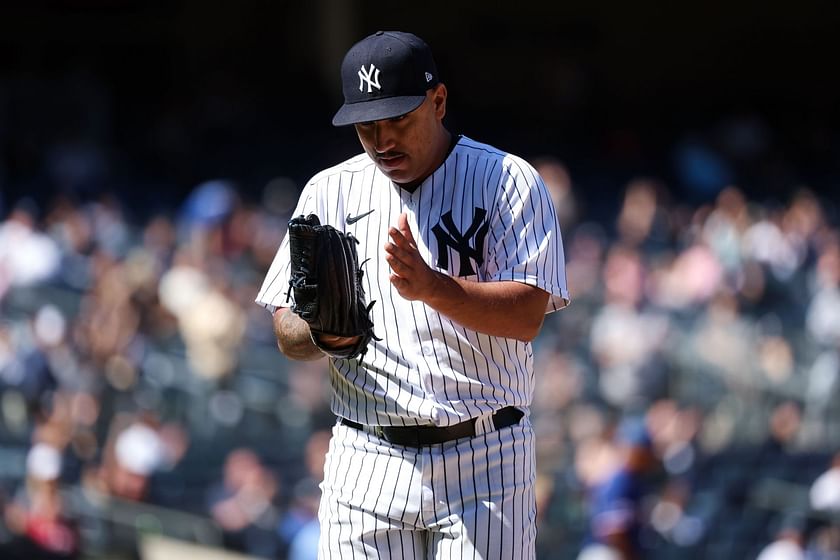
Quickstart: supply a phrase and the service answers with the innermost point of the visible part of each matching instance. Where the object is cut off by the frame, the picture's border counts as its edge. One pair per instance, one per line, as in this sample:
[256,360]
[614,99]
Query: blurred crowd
[685,404]
[686,400]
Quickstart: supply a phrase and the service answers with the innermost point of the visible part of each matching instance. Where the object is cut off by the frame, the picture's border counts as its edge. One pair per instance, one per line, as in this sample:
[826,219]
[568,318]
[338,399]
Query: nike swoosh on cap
[354,219]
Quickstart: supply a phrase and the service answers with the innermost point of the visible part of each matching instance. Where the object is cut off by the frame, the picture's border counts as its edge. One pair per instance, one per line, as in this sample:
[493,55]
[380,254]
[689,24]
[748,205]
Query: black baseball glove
[326,278]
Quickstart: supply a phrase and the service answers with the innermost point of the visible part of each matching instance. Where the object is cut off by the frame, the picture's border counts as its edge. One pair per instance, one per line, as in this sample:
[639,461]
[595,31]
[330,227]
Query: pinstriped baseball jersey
[483,215]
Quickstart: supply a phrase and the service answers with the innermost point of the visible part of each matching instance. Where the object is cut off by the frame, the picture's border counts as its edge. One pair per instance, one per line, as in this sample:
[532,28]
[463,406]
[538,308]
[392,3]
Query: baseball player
[432,455]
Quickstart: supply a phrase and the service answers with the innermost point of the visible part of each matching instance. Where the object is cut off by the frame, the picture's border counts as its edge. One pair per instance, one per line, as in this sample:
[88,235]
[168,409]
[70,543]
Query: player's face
[408,148]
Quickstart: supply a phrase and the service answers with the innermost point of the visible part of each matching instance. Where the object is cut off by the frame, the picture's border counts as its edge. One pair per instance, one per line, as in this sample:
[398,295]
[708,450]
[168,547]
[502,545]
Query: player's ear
[439,99]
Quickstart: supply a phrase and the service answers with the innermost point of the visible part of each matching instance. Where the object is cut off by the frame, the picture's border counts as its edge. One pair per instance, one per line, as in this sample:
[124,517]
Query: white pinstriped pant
[471,498]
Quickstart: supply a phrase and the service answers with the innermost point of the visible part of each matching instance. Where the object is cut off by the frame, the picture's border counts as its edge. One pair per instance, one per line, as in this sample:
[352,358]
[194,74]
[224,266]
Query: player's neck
[444,148]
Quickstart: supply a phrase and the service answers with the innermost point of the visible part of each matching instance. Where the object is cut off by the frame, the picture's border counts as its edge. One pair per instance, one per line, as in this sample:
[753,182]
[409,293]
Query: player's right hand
[411,276]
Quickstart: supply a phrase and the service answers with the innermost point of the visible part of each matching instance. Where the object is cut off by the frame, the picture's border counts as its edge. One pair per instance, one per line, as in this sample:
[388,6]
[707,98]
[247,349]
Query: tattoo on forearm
[293,336]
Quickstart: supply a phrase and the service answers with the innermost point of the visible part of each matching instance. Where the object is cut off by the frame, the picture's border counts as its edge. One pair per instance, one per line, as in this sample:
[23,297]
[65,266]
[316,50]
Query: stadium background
[150,153]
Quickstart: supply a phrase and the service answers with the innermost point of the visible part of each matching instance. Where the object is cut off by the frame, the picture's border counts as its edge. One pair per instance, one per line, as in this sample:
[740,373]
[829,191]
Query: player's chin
[395,169]
[399,176]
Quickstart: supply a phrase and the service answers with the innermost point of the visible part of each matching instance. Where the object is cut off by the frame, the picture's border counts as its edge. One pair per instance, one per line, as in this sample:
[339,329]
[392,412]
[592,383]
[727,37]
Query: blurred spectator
[688,280]
[303,544]
[617,503]
[27,256]
[626,339]
[584,254]
[211,324]
[673,430]
[208,205]
[784,428]
[825,491]
[134,453]
[722,342]
[823,318]
[559,183]
[243,504]
[37,514]
[643,221]
[29,364]
[73,230]
[789,543]
[724,228]
[299,527]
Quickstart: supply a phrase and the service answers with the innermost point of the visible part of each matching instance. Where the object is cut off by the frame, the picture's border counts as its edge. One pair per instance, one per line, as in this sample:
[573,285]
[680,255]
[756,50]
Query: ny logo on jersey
[451,237]
[371,76]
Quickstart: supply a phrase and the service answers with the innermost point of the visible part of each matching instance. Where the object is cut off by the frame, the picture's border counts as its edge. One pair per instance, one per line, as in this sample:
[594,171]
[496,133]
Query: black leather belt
[420,436]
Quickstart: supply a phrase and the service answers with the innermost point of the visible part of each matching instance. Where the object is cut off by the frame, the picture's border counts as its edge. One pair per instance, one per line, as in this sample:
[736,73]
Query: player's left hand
[411,276]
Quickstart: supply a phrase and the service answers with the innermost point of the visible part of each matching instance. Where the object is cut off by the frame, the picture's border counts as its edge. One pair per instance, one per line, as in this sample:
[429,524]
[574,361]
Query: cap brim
[376,109]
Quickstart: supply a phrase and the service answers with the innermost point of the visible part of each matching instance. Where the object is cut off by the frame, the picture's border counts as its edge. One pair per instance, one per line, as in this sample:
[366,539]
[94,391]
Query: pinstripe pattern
[428,369]
[468,499]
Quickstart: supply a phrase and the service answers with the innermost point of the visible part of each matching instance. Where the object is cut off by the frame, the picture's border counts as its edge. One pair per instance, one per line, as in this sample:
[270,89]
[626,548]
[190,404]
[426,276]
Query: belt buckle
[379,432]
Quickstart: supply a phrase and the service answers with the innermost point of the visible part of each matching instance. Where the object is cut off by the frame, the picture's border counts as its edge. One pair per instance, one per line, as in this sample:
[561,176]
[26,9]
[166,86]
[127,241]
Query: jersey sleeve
[275,290]
[525,244]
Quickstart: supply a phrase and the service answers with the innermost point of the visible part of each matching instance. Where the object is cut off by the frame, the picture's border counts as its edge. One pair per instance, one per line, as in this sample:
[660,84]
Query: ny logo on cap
[365,76]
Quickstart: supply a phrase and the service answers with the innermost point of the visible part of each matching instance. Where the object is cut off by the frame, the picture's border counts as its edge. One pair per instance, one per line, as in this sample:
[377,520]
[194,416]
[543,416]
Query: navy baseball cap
[383,76]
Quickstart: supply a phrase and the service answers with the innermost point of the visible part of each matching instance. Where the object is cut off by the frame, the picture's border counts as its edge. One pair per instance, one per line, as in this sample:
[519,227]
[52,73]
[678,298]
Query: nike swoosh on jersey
[354,219]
